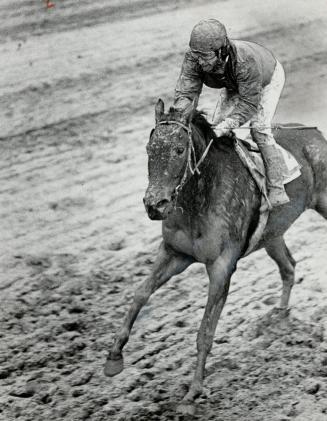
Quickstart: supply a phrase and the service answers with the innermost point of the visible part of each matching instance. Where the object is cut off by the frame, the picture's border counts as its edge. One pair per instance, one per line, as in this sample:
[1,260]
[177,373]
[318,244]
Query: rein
[280,127]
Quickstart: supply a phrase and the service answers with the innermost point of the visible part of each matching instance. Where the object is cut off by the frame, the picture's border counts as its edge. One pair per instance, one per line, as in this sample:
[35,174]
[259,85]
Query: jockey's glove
[220,132]
[224,127]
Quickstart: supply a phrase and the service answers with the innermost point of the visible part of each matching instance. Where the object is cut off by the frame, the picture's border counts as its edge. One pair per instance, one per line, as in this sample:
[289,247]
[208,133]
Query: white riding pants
[262,120]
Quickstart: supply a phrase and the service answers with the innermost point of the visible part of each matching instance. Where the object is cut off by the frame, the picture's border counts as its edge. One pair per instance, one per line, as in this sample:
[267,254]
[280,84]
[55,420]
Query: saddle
[250,156]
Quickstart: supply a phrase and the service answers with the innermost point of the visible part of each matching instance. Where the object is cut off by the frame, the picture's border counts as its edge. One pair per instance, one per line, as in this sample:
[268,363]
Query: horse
[209,205]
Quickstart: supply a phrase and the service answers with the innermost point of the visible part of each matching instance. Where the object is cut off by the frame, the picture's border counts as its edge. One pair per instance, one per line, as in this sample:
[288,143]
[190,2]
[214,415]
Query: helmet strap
[223,51]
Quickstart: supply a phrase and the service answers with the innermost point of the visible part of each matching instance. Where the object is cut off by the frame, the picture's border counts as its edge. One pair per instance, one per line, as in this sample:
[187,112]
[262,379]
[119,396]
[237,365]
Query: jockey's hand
[221,132]
[225,127]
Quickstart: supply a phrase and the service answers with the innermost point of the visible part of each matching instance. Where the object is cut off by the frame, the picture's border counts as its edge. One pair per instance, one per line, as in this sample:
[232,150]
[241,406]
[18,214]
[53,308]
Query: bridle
[192,164]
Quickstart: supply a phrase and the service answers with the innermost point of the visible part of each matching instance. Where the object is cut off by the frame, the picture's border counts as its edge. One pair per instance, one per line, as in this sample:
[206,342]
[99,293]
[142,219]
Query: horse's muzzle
[157,211]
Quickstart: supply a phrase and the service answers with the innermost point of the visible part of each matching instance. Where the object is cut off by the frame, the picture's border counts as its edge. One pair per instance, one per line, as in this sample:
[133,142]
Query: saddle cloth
[249,154]
[291,167]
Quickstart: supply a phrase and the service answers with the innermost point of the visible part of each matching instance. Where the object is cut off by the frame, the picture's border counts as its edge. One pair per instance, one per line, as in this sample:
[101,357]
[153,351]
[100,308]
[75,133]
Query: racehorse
[209,206]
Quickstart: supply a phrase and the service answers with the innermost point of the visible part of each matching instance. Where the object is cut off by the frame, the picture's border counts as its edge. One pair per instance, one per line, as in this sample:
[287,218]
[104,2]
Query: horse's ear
[159,110]
[189,111]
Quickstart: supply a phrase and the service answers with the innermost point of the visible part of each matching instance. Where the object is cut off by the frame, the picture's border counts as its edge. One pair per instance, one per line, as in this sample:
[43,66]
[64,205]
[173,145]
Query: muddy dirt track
[78,84]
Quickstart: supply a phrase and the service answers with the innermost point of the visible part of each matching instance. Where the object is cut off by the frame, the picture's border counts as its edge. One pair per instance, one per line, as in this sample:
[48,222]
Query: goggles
[204,55]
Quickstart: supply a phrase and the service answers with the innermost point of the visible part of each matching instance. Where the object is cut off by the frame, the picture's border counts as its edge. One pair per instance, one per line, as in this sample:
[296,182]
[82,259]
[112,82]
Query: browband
[175,122]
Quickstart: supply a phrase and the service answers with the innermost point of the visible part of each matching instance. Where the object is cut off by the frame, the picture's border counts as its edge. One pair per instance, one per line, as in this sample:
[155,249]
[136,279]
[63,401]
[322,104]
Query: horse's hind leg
[279,252]
[167,264]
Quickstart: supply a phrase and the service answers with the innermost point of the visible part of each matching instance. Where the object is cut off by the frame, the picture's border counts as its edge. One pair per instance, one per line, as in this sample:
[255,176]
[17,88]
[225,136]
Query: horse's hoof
[113,367]
[279,312]
[186,409]
[284,312]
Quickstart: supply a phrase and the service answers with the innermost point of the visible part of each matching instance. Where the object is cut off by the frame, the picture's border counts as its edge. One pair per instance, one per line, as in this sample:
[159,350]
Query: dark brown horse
[209,215]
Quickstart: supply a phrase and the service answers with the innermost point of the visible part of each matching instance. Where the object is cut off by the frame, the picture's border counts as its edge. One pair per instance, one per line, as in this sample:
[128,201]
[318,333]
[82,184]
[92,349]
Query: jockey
[251,81]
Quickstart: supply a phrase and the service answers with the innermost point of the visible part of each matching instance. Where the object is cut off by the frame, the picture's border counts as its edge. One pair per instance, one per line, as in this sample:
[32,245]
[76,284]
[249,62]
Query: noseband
[191,156]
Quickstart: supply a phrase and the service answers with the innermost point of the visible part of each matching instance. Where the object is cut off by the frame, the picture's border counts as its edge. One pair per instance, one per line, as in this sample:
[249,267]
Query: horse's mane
[199,120]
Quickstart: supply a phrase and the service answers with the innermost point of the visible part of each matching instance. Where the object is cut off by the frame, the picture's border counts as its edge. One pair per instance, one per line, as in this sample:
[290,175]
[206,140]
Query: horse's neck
[205,189]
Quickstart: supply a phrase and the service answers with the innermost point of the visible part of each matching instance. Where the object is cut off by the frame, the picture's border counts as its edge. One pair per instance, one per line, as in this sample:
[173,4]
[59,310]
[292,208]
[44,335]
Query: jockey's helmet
[207,36]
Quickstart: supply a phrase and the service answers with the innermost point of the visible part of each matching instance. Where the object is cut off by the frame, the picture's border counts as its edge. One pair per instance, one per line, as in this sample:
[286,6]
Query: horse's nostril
[151,211]
[162,203]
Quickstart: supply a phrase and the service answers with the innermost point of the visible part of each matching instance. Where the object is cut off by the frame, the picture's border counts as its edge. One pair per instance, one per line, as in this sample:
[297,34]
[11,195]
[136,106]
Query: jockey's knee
[260,138]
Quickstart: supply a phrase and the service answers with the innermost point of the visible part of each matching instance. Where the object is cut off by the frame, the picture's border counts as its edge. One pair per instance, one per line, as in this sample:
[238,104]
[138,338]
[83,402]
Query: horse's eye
[180,150]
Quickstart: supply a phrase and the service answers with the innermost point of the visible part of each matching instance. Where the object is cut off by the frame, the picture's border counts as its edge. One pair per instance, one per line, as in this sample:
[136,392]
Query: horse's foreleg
[279,252]
[321,205]
[219,275]
[167,264]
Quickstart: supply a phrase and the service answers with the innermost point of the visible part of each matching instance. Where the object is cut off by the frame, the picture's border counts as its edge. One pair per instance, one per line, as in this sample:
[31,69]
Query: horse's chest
[196,241]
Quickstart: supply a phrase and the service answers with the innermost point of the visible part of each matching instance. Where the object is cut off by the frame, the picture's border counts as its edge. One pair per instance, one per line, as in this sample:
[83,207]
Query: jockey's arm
[249,81]
[189,83]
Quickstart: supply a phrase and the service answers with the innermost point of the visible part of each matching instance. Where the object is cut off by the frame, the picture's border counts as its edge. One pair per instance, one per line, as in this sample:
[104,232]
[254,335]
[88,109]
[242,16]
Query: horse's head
[169,157]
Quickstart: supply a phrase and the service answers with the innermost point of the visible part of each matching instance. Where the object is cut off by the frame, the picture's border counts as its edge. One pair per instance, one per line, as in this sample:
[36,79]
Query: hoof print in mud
[186,410]
[113,367]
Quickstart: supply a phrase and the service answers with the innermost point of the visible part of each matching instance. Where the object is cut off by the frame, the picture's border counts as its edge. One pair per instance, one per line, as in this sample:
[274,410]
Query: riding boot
[274,164]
